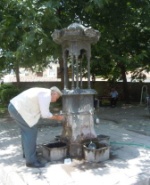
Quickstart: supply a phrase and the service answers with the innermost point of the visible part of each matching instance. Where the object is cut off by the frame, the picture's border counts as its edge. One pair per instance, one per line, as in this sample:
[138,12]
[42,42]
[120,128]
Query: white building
[49,74]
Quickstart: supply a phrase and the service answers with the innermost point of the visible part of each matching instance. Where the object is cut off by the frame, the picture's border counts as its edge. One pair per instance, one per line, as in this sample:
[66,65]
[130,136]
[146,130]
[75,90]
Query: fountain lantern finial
[76,41]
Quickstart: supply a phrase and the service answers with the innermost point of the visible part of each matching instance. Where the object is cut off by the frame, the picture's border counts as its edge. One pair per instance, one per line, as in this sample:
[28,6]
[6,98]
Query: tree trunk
[17,73]
[125,84]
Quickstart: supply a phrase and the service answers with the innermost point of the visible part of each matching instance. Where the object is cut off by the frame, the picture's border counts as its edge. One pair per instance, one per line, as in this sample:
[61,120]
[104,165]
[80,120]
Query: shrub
[7,92]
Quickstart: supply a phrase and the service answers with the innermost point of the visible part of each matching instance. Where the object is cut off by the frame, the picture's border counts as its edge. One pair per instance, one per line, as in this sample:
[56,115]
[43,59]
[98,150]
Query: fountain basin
[100,154]
[54,151]
[103,139]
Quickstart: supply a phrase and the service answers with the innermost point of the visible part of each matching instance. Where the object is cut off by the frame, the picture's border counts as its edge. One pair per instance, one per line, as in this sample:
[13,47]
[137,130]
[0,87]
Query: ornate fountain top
[76,42]
[76,32]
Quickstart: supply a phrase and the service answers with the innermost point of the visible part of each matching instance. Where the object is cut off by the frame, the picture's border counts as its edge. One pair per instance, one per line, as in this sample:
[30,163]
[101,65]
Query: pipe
[130,144]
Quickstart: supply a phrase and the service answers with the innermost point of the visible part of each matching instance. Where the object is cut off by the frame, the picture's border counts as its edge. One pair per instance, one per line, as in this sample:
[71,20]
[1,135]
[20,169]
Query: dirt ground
[132,112]
[133,117]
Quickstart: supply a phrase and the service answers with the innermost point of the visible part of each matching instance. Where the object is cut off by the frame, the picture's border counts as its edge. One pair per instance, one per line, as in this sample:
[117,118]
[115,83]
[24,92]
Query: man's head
[55,94]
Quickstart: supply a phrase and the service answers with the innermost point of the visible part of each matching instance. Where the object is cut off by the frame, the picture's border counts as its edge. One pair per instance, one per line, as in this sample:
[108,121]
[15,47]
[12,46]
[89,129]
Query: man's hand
[60,117]
[57,117]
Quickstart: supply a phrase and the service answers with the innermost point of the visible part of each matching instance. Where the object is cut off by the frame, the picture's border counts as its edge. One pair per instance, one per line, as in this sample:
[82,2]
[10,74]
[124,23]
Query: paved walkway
[129,162]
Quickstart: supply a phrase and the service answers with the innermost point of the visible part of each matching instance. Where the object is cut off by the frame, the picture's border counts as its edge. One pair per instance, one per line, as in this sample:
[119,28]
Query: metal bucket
[103,139]
[54,151]
[100,154]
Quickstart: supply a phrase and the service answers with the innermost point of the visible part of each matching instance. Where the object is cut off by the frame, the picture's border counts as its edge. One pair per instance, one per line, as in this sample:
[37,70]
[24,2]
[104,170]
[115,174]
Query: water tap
[92,145]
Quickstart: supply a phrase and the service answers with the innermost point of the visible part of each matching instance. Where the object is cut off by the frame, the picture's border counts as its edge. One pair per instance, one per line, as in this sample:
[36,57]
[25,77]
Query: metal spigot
[92,145]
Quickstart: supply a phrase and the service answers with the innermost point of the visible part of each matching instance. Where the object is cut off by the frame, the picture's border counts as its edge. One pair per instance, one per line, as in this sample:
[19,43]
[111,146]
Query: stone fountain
[77,101]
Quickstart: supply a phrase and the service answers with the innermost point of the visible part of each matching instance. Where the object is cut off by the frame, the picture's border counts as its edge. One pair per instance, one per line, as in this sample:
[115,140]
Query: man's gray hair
[55,89]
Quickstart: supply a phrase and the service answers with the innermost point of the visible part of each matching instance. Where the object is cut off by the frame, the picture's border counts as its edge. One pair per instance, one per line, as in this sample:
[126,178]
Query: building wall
[102,87]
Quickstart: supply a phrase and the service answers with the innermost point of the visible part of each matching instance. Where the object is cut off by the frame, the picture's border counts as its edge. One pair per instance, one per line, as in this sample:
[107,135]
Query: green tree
[26,28]
[25,33]
[124,44]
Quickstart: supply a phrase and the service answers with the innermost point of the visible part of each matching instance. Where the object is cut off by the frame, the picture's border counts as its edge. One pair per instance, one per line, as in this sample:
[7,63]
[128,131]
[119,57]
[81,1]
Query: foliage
[26,28]
[25,32]
[7,92]
[125,40]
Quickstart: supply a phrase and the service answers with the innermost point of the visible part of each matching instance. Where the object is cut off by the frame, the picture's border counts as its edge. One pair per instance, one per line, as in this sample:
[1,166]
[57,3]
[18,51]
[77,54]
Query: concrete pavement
[129,162]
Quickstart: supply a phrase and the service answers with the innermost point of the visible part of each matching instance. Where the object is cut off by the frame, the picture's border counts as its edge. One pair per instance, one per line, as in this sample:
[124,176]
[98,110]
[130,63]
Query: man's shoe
[42,160]
[35,165]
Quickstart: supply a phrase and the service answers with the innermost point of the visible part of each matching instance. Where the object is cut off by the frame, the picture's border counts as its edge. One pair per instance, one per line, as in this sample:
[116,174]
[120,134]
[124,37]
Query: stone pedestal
[79,119]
